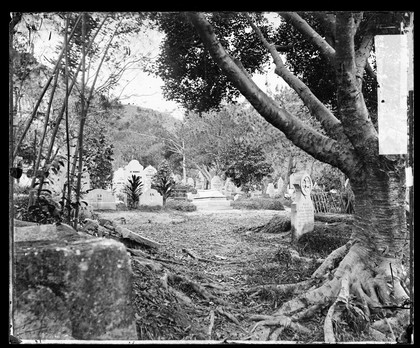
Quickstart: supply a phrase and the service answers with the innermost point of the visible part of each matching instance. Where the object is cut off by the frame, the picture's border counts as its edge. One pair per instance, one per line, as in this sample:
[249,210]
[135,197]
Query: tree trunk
[371,270]
[290,166]
[380,214]
[370,267]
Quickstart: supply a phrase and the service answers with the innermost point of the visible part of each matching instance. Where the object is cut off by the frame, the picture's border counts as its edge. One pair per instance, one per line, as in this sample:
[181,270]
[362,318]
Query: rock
[90,226]
[73,290]
[21,223]
[44,232]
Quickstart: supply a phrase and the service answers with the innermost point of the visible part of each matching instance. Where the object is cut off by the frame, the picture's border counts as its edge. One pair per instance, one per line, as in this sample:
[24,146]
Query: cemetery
[168,185]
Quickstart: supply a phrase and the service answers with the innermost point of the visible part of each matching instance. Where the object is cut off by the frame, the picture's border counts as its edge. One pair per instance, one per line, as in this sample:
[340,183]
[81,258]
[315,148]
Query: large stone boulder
[70,287]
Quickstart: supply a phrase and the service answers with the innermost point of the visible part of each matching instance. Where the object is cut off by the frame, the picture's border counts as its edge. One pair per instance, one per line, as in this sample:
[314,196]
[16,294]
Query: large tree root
[352,292]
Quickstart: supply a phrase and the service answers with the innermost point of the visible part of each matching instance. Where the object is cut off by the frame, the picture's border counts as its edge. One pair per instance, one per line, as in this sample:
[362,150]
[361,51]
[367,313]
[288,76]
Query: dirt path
[236,260]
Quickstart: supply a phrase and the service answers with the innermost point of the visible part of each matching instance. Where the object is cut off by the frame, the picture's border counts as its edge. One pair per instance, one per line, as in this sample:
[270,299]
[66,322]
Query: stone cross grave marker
[216,183]
[151,198]
[302,209]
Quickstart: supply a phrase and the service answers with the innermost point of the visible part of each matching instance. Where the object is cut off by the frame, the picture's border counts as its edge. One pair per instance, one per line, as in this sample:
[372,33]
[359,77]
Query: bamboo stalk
[48,158]
[67,122]
[82,119]
[44,132]
[85,108]
[31,118]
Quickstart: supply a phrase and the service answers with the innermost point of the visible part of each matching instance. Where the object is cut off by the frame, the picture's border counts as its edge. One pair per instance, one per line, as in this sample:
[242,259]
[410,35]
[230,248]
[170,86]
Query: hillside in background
[137,133]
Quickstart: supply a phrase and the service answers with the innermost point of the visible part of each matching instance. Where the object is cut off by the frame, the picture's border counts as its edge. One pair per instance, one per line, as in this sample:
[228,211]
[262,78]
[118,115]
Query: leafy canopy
[190,75]
[245,164]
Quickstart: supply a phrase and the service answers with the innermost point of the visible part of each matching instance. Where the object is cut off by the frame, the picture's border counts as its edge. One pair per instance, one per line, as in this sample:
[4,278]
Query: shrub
[150,207]
[133,191]
[44,211]
[181,205]
[257,203]
[162,181]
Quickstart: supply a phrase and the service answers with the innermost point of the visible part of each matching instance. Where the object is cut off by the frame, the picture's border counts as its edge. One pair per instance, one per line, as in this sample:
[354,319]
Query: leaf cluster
[162,181]
[190,75]
[133,191]
[245,164]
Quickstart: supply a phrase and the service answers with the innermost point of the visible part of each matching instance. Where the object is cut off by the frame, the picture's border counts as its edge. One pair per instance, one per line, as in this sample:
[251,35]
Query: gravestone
[230,187]
[133,168]
[302,209]
[118,181]
[177,178]
[280,184]
[199,185]
[190,181]
[271,190]
[151,198]
[100,199]
[216,183]
[179,193]
[148,174]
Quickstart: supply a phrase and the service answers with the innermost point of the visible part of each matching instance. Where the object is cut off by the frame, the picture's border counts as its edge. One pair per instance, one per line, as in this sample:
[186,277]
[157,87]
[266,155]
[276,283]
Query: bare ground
[206,281]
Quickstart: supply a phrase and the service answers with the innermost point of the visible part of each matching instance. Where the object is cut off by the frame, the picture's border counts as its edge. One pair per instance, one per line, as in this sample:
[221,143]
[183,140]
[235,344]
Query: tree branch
[328,121]
[352,107]
[317,145]
[328,22]
[306,30]
[362,55]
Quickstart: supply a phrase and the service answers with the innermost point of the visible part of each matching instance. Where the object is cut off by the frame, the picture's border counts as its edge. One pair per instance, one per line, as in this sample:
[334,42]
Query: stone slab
[100,199]
[73,290]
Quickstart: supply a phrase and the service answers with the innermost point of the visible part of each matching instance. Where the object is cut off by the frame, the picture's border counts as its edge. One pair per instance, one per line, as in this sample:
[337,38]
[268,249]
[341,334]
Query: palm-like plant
[133,191]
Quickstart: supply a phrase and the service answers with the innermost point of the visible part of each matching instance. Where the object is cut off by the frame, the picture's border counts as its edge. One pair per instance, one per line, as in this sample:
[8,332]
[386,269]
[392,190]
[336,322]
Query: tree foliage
[306,61]
[245,164]
[191,77]
[98,160]
[133,191]
[162,181]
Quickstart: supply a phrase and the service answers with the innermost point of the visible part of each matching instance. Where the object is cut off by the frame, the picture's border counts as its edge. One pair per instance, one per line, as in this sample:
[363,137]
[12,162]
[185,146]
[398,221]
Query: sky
[138,87]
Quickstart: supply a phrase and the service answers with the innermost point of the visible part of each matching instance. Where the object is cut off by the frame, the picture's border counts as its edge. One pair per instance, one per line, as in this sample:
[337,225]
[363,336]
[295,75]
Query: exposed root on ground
[351,292]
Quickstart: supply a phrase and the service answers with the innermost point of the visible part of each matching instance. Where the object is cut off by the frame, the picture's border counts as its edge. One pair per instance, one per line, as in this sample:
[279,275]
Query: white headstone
[230,186]
[216,183]
[302,209]
[190,181]
[133,168]
[148,174]
[280,184]
[199,184]
[270,190]
[151,198]
[100,199]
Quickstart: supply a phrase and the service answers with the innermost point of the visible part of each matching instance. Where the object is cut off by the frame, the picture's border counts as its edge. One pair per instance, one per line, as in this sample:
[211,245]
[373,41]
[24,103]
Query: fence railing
[329,202]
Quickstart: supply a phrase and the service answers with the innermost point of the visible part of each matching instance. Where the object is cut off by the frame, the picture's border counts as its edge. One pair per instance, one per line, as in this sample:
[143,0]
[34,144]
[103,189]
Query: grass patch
[180,205]
[258,203]
[323,240]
